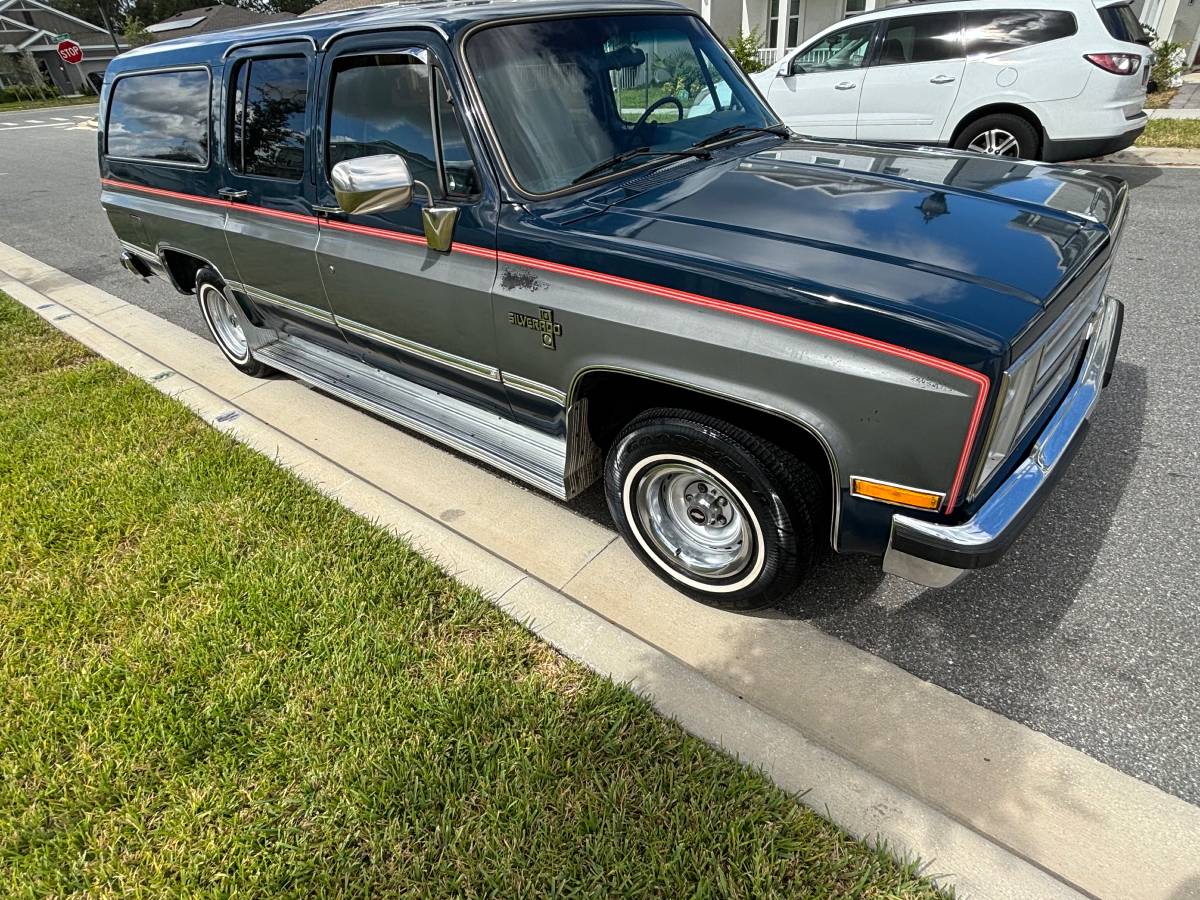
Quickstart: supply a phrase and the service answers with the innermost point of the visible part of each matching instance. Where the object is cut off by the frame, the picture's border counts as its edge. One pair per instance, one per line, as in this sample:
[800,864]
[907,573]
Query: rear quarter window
[1122,23]
[994,31]
[160,117]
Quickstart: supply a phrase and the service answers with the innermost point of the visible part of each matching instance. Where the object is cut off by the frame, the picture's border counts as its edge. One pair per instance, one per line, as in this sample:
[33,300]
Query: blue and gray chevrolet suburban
[570,239]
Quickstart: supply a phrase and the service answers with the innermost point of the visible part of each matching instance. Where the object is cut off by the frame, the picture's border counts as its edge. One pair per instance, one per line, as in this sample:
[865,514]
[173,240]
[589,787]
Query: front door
[911,86]
[416,312]
[820,90]
[271,229]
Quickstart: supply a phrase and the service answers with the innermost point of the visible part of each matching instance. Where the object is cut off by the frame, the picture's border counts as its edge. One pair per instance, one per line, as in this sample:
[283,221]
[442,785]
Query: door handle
[328,210]
[845,86]
[941,79]
[231,194]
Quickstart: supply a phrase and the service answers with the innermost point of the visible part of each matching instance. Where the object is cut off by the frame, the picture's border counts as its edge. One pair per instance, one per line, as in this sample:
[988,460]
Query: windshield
[566,96]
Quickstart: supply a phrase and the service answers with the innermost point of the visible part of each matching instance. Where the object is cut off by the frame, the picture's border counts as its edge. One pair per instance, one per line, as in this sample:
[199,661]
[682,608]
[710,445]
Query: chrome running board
[525,453]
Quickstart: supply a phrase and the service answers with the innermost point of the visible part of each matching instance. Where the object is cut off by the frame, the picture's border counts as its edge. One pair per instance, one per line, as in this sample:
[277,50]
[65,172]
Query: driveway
[1087,632]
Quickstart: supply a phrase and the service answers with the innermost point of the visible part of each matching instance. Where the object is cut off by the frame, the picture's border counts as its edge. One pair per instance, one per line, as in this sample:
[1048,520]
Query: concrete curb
[1149,156]
[1001,810]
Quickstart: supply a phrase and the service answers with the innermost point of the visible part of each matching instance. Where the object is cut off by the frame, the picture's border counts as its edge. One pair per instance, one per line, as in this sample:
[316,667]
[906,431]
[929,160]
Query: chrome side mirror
[372,184]
[383,183]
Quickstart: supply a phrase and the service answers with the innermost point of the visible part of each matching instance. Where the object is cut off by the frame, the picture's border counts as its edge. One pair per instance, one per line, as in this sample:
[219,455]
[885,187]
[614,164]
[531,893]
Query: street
[1088,631]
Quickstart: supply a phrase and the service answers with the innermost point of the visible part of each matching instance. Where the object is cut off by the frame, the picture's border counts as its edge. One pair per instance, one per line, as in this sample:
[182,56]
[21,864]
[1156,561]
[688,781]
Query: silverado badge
[543,322]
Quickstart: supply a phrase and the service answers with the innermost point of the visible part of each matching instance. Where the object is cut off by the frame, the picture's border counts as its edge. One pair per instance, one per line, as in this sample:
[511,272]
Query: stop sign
[70,51]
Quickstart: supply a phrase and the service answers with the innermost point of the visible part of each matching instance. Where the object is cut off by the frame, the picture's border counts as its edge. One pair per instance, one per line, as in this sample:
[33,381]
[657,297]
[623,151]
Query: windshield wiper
[612,161]
[781,130]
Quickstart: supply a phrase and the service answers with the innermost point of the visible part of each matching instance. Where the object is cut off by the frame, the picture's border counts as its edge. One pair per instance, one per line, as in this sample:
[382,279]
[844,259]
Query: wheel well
[615,398]
[182,268]
[1011,109]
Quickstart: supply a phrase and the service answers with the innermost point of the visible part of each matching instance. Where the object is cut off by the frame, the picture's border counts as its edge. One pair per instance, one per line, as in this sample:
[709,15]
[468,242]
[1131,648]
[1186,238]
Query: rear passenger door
[910,88]
[271,229]
[422,314]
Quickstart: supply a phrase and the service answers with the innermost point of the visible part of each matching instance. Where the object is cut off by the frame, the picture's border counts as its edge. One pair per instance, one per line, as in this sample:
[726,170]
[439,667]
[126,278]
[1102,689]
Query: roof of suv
[447,17]
[916,7]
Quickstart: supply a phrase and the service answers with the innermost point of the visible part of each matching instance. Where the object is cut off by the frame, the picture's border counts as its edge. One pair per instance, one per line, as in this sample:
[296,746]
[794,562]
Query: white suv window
[845,49]
[994,31]
[927,38]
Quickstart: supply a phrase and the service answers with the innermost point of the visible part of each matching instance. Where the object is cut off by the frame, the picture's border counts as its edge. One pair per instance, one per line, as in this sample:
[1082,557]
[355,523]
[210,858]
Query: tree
[135,32]
[744,49]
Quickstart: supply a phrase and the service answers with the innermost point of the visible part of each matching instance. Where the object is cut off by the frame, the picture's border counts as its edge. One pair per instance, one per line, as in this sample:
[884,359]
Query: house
[32,29]
[783,24]
[218,17]
[1177,21]
[335,6]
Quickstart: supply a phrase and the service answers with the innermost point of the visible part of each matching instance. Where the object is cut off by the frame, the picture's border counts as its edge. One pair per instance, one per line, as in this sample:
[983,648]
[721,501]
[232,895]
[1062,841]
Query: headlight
[1014,396]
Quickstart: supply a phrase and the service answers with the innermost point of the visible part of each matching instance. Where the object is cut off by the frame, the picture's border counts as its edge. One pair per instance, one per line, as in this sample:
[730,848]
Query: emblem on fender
[542,323]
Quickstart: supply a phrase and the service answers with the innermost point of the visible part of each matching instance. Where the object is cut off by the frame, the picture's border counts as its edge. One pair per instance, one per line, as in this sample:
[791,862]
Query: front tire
[225,323]
[713,510]
[1000,134]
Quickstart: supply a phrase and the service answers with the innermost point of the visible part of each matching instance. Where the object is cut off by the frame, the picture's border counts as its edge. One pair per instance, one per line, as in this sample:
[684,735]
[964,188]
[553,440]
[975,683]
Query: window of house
[380,104]
[773,23]
[160,117]
[855,6]
[927,38]
[994,31]
[793,23]
[268,124]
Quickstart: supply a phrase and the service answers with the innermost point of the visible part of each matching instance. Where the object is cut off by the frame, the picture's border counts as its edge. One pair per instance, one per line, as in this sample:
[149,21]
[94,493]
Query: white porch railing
[770,55]
[767,55]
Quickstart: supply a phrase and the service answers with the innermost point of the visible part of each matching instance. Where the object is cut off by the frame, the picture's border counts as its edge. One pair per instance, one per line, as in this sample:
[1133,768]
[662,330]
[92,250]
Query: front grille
[1060,352]
[1033,382]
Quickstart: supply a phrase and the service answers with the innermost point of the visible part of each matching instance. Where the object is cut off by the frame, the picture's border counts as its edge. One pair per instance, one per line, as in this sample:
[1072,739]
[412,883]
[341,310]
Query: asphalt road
[1089,631]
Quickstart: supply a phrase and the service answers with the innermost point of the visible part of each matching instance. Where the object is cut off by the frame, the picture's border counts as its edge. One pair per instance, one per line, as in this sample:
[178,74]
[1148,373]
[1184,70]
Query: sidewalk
[1002,810]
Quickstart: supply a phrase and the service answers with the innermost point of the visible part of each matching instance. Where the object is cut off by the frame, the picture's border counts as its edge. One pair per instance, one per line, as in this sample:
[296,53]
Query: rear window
[927,38]
[160,117]
[994,31]
[1122,23]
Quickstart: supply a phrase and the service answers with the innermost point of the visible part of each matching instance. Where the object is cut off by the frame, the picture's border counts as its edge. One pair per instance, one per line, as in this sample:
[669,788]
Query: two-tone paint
[870,297]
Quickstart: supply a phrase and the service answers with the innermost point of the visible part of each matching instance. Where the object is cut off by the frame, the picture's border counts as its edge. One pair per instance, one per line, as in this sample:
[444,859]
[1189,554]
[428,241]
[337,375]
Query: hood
[974,242]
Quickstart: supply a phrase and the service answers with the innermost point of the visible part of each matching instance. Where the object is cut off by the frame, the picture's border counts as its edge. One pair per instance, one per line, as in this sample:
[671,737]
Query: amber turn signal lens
[894,493]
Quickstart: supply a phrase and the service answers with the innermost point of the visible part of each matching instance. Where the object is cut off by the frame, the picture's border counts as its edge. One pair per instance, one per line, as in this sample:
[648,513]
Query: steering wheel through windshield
[661,101]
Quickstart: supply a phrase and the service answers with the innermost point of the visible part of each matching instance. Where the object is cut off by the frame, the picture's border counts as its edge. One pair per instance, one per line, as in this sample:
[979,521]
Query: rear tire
[226,323]
[713,510]
[1000,134]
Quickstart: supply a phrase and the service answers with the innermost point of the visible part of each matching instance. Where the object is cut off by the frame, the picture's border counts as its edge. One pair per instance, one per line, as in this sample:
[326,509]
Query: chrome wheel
[224,322]
[693,517]
[996,142]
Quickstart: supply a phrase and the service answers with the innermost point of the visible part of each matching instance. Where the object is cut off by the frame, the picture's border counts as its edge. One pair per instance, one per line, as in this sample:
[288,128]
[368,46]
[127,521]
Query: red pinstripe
[980,380]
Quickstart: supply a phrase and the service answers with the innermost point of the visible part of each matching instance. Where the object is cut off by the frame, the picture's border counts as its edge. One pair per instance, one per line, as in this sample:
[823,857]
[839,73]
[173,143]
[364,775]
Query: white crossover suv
[1039,79]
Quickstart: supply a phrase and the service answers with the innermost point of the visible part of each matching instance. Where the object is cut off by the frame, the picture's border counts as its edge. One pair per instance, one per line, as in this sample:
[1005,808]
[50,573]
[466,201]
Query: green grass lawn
[215,680]
[1171,133]
[19,105]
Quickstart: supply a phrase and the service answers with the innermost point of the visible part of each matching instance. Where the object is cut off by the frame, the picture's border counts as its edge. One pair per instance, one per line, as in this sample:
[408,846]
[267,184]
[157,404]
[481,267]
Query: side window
[267,126]
[380,104]
[994,31]
[845,49]
[928,38]
[456,155]
[160,117]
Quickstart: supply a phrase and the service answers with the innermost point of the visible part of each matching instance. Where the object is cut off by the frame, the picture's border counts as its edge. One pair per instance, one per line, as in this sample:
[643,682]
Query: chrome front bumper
[937,555]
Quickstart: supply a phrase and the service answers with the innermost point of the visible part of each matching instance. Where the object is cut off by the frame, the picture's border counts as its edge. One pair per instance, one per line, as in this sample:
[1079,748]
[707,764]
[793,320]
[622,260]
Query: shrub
[1170,62]
[744,49]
